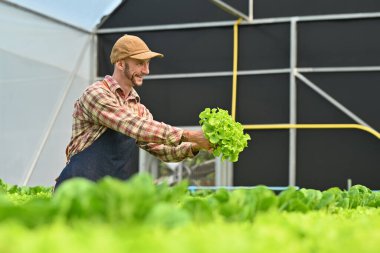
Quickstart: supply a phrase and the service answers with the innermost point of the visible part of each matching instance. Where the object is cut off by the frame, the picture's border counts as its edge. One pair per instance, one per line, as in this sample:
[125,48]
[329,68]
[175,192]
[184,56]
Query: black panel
[314,109]
[240,5]
[327,158]
[264,46]
[281,8]
[105,43]
[339,43]
[179,101]
[158,12]
[186,51]
[208,50]
[358,92]
[263,99]
[264,161]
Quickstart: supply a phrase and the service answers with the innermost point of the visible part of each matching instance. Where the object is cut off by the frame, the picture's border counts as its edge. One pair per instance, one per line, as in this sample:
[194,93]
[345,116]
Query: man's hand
[198,138]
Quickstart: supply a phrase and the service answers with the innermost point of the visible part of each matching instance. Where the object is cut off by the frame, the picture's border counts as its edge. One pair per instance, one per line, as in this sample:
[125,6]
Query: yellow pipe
[313,126]
[282,126]
[234,70]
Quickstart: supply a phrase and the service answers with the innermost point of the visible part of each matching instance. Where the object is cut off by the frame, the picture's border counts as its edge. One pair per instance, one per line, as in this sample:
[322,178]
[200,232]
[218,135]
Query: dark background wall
[325,158]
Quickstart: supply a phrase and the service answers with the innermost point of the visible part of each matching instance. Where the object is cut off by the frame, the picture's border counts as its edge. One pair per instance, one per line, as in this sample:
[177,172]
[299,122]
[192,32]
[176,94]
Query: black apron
[112,154]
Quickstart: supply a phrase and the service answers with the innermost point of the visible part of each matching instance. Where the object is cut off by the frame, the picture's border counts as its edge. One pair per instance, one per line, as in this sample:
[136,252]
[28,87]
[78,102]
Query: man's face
[135,70]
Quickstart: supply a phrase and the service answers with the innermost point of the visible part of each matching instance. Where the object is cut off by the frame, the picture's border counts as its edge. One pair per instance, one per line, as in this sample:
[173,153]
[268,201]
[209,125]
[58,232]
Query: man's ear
[120,64]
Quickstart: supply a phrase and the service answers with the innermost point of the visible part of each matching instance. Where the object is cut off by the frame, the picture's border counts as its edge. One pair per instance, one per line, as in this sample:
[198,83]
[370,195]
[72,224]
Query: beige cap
[133,47]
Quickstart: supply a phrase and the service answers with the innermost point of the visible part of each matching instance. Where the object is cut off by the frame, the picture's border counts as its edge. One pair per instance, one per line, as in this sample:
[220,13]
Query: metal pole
[250,14]
[293,102]
[223,172]
[230,177]
[339,69]
[229,9]
[218,171]
[94,59]
[217,74]
[196,25]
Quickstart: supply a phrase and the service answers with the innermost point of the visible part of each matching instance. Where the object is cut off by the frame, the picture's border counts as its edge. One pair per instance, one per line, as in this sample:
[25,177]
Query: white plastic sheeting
[44,66]
[84,14]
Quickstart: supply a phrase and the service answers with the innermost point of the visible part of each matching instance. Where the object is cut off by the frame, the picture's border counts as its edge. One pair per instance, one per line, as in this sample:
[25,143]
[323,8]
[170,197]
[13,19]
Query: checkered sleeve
[169,153]
[102,107]
[164,152]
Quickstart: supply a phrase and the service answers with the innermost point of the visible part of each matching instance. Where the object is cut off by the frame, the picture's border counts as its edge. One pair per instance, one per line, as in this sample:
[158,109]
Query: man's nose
[145,68]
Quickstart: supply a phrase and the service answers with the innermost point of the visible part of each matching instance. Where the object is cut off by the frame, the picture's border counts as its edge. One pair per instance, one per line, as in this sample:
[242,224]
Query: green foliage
[244,204]
[226,135]
[140,201]
[139,216]
[23,194]
[116,201]
[347,230]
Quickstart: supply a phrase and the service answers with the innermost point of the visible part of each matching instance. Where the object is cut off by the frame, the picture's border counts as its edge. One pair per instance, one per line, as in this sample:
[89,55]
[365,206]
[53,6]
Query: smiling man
[110,123]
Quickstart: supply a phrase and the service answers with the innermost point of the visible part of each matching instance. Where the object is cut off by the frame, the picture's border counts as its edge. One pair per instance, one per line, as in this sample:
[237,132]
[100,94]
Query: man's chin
[137,83]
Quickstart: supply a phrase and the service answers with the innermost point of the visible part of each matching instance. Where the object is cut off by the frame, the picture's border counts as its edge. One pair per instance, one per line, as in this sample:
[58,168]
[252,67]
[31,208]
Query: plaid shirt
[103,105]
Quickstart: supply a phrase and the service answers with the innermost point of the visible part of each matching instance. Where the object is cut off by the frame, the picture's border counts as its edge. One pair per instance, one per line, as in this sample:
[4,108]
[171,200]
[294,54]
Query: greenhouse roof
[83,14]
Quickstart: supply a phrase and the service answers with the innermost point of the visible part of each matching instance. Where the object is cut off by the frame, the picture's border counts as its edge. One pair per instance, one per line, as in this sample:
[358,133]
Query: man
[109,120]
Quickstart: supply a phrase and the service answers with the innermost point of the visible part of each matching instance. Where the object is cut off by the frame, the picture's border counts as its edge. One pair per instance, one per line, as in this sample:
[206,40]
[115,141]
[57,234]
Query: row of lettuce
[140,201]
[347,230]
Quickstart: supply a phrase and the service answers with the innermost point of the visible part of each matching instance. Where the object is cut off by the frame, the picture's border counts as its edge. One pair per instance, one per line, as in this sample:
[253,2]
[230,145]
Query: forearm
[169,153]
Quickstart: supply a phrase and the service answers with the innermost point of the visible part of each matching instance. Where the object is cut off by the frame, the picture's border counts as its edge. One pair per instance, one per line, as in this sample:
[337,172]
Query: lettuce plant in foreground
[225,134]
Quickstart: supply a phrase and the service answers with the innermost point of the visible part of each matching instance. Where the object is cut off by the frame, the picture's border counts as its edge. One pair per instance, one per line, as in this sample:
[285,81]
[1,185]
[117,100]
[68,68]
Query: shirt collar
[113,85]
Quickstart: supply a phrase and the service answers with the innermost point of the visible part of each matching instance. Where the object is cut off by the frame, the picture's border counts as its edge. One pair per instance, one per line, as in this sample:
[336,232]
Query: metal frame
[231,10]
[231,23]
[293,102]
[294,72]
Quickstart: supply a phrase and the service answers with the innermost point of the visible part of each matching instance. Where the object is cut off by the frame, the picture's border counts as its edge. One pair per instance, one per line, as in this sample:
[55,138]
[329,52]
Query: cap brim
[146,56]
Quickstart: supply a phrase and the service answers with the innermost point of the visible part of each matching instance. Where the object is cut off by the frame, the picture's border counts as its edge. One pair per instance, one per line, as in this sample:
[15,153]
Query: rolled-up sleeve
[169,153]
[164,152]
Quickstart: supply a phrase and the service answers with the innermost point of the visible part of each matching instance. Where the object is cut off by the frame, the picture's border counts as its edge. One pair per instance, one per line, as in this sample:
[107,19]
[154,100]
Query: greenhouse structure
[301,76]
[295,80]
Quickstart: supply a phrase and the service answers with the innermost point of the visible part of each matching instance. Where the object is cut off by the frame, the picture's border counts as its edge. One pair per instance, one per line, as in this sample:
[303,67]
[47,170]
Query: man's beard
[128,74]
